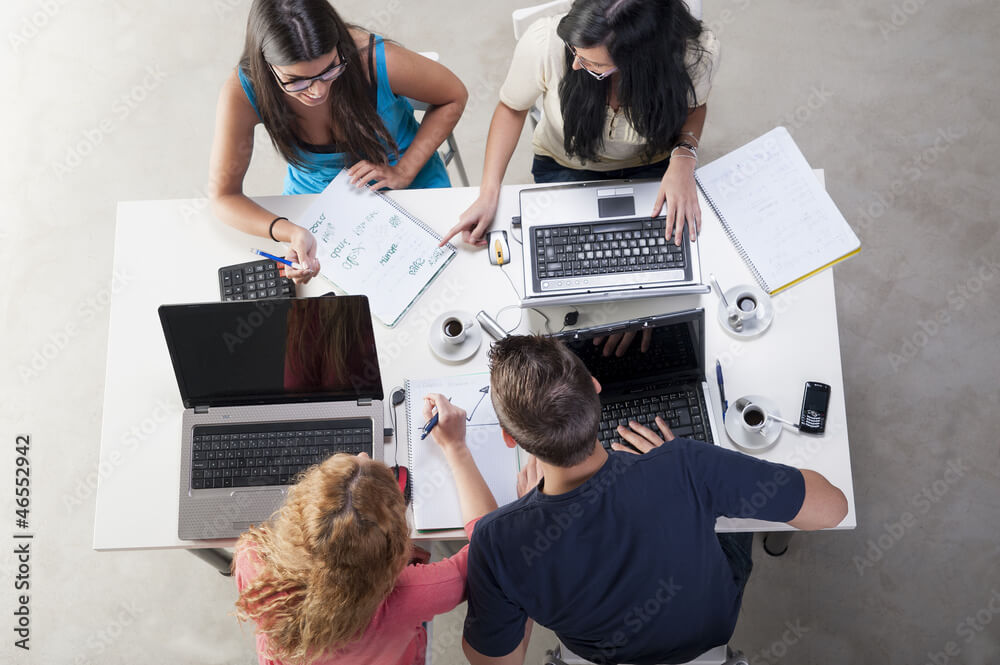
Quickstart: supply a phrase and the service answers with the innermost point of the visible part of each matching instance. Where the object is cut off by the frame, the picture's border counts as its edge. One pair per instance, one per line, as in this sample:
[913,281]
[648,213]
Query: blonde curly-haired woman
[330,579]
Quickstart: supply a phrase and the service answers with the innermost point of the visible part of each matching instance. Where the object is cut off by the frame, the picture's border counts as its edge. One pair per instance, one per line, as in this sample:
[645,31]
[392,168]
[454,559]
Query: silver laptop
[595,241]
[270,387]
[649,367]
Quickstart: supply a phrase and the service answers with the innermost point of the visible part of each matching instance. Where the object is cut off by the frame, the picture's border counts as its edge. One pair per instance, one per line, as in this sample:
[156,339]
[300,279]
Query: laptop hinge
[201,409]
[367,401]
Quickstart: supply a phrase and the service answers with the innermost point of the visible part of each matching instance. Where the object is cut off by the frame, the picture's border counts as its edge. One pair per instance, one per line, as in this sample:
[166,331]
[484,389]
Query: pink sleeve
[425,590]
[246,566]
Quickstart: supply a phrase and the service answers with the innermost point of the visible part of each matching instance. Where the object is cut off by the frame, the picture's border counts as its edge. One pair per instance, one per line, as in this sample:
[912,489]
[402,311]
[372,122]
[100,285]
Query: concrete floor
[114,100]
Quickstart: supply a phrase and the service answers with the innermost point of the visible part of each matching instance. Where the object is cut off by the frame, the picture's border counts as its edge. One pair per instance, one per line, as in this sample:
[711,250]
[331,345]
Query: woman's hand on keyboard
[642,438]
[679,192]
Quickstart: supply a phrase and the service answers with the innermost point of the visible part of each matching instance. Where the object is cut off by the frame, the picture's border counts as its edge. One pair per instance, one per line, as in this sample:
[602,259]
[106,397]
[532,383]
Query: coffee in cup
[454,330]
[754,419]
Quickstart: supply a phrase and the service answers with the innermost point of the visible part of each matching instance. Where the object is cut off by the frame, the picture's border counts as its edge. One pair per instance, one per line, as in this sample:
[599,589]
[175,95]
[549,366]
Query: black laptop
[649,367]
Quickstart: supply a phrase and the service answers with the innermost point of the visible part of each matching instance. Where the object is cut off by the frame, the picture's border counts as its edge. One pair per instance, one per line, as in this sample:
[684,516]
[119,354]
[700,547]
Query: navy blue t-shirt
[626,568]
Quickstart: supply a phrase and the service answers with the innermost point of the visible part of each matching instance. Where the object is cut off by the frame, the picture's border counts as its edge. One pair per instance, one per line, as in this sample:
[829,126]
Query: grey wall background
[111,100]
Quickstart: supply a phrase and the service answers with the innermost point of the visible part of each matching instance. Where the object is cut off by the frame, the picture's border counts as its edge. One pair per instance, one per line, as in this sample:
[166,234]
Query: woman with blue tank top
[331,97]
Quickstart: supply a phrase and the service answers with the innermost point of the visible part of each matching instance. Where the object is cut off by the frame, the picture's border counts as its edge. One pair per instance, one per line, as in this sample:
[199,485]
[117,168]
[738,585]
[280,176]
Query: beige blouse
[538,66]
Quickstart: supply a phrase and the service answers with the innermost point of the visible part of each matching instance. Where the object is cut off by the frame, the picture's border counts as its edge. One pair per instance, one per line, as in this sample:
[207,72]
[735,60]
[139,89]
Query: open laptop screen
[273,351]
[631,354]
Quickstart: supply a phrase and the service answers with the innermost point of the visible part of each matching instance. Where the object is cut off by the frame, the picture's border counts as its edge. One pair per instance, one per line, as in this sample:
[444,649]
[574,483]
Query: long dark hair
[284,32]
[648,40]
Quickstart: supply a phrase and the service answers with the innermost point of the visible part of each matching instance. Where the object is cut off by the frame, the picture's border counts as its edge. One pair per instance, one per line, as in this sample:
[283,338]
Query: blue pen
[431,424]
[722,389]
[297,266]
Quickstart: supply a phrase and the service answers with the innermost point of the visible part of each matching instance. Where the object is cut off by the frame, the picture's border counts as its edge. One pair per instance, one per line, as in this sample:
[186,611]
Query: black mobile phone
[815,399]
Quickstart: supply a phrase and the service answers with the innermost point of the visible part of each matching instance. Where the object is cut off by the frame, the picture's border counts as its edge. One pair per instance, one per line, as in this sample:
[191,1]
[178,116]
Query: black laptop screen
[273,351]
[631,355]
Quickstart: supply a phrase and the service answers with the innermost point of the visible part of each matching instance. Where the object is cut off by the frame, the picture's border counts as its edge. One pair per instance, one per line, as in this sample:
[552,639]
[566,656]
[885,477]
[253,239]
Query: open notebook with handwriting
[779,217]
[367,244]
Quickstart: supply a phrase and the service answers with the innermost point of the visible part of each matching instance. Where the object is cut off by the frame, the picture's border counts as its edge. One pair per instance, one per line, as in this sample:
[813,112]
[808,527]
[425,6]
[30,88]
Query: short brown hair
[545,398]
[329,556]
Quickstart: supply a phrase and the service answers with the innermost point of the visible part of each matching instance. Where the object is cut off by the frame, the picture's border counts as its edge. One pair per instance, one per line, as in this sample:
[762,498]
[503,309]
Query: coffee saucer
[455,353]
[755,325]
[752,442]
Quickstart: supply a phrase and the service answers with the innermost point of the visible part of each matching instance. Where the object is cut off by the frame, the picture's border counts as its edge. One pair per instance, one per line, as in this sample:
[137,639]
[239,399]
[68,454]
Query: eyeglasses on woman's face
[592,68]
[301,84]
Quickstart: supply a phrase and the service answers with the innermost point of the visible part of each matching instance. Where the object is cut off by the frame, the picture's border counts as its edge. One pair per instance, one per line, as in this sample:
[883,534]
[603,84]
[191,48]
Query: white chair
[524,17]
[450,151]
[720,655]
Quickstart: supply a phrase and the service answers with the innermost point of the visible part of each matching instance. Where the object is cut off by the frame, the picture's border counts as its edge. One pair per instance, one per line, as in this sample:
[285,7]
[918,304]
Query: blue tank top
[397,115]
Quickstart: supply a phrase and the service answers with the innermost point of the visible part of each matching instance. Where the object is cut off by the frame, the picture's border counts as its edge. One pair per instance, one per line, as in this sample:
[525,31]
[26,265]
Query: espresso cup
[454,330]
[754,419]
[746,305]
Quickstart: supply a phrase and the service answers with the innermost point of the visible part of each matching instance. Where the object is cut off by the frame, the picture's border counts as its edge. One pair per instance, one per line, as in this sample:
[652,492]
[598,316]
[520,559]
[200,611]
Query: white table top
[170,251]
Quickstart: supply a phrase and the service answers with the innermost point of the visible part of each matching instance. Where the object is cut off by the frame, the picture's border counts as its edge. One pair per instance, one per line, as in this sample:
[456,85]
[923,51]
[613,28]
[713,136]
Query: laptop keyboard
[683,409]
[270,453]
[598,249]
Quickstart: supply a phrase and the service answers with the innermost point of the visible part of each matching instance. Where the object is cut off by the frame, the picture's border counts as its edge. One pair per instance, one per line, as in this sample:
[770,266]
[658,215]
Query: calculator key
[250,278]
[270,265]
[272,293]
[229,291]
[237,277]
[258,268]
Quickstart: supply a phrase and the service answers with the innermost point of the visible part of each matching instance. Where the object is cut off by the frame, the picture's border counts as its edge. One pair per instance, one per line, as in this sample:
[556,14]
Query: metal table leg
[776,542]
[216,557]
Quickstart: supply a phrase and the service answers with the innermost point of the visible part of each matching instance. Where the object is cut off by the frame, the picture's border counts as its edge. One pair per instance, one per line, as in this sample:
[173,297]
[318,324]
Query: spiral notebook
[781,220]
[367,244]
[435,499]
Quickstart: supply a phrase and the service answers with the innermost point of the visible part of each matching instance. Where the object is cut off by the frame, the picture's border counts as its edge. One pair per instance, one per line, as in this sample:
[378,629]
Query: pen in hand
[297,266]
[431,424]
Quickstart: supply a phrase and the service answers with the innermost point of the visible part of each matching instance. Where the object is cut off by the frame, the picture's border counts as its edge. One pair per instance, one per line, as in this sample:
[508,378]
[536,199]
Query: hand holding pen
[445,422]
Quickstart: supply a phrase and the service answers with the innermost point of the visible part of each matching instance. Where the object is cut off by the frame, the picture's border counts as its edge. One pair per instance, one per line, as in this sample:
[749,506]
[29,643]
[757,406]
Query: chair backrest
[523,18]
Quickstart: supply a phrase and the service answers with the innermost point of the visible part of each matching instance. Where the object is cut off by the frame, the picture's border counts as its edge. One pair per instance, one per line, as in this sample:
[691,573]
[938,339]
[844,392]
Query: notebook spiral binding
[403,211]
[409,442]
[732,237]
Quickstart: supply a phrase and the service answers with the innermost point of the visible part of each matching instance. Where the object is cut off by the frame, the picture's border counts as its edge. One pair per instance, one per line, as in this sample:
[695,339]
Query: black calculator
[255,280]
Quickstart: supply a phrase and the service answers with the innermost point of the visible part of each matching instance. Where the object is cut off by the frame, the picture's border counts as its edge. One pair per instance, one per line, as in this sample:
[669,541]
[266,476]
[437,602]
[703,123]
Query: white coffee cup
[754,419]
[746,304]
[454,330]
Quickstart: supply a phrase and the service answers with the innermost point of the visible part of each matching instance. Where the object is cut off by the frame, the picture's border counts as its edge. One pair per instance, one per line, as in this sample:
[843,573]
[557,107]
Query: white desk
[170,251]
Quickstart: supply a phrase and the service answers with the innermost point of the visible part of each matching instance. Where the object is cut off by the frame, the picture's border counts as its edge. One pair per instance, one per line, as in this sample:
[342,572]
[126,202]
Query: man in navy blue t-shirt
[616,552]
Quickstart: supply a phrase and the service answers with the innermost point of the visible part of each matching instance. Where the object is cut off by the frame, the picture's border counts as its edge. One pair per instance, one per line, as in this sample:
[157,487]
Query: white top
[539,64]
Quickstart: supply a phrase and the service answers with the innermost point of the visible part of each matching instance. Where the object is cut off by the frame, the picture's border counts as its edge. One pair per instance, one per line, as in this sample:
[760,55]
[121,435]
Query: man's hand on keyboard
[642,438]
[618,343]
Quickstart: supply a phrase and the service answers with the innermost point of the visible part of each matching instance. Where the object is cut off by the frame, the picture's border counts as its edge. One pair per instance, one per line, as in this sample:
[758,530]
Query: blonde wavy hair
[329,557]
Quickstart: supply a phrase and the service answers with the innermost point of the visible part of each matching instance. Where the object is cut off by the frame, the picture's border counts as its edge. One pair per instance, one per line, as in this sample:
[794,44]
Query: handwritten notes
[368,245]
